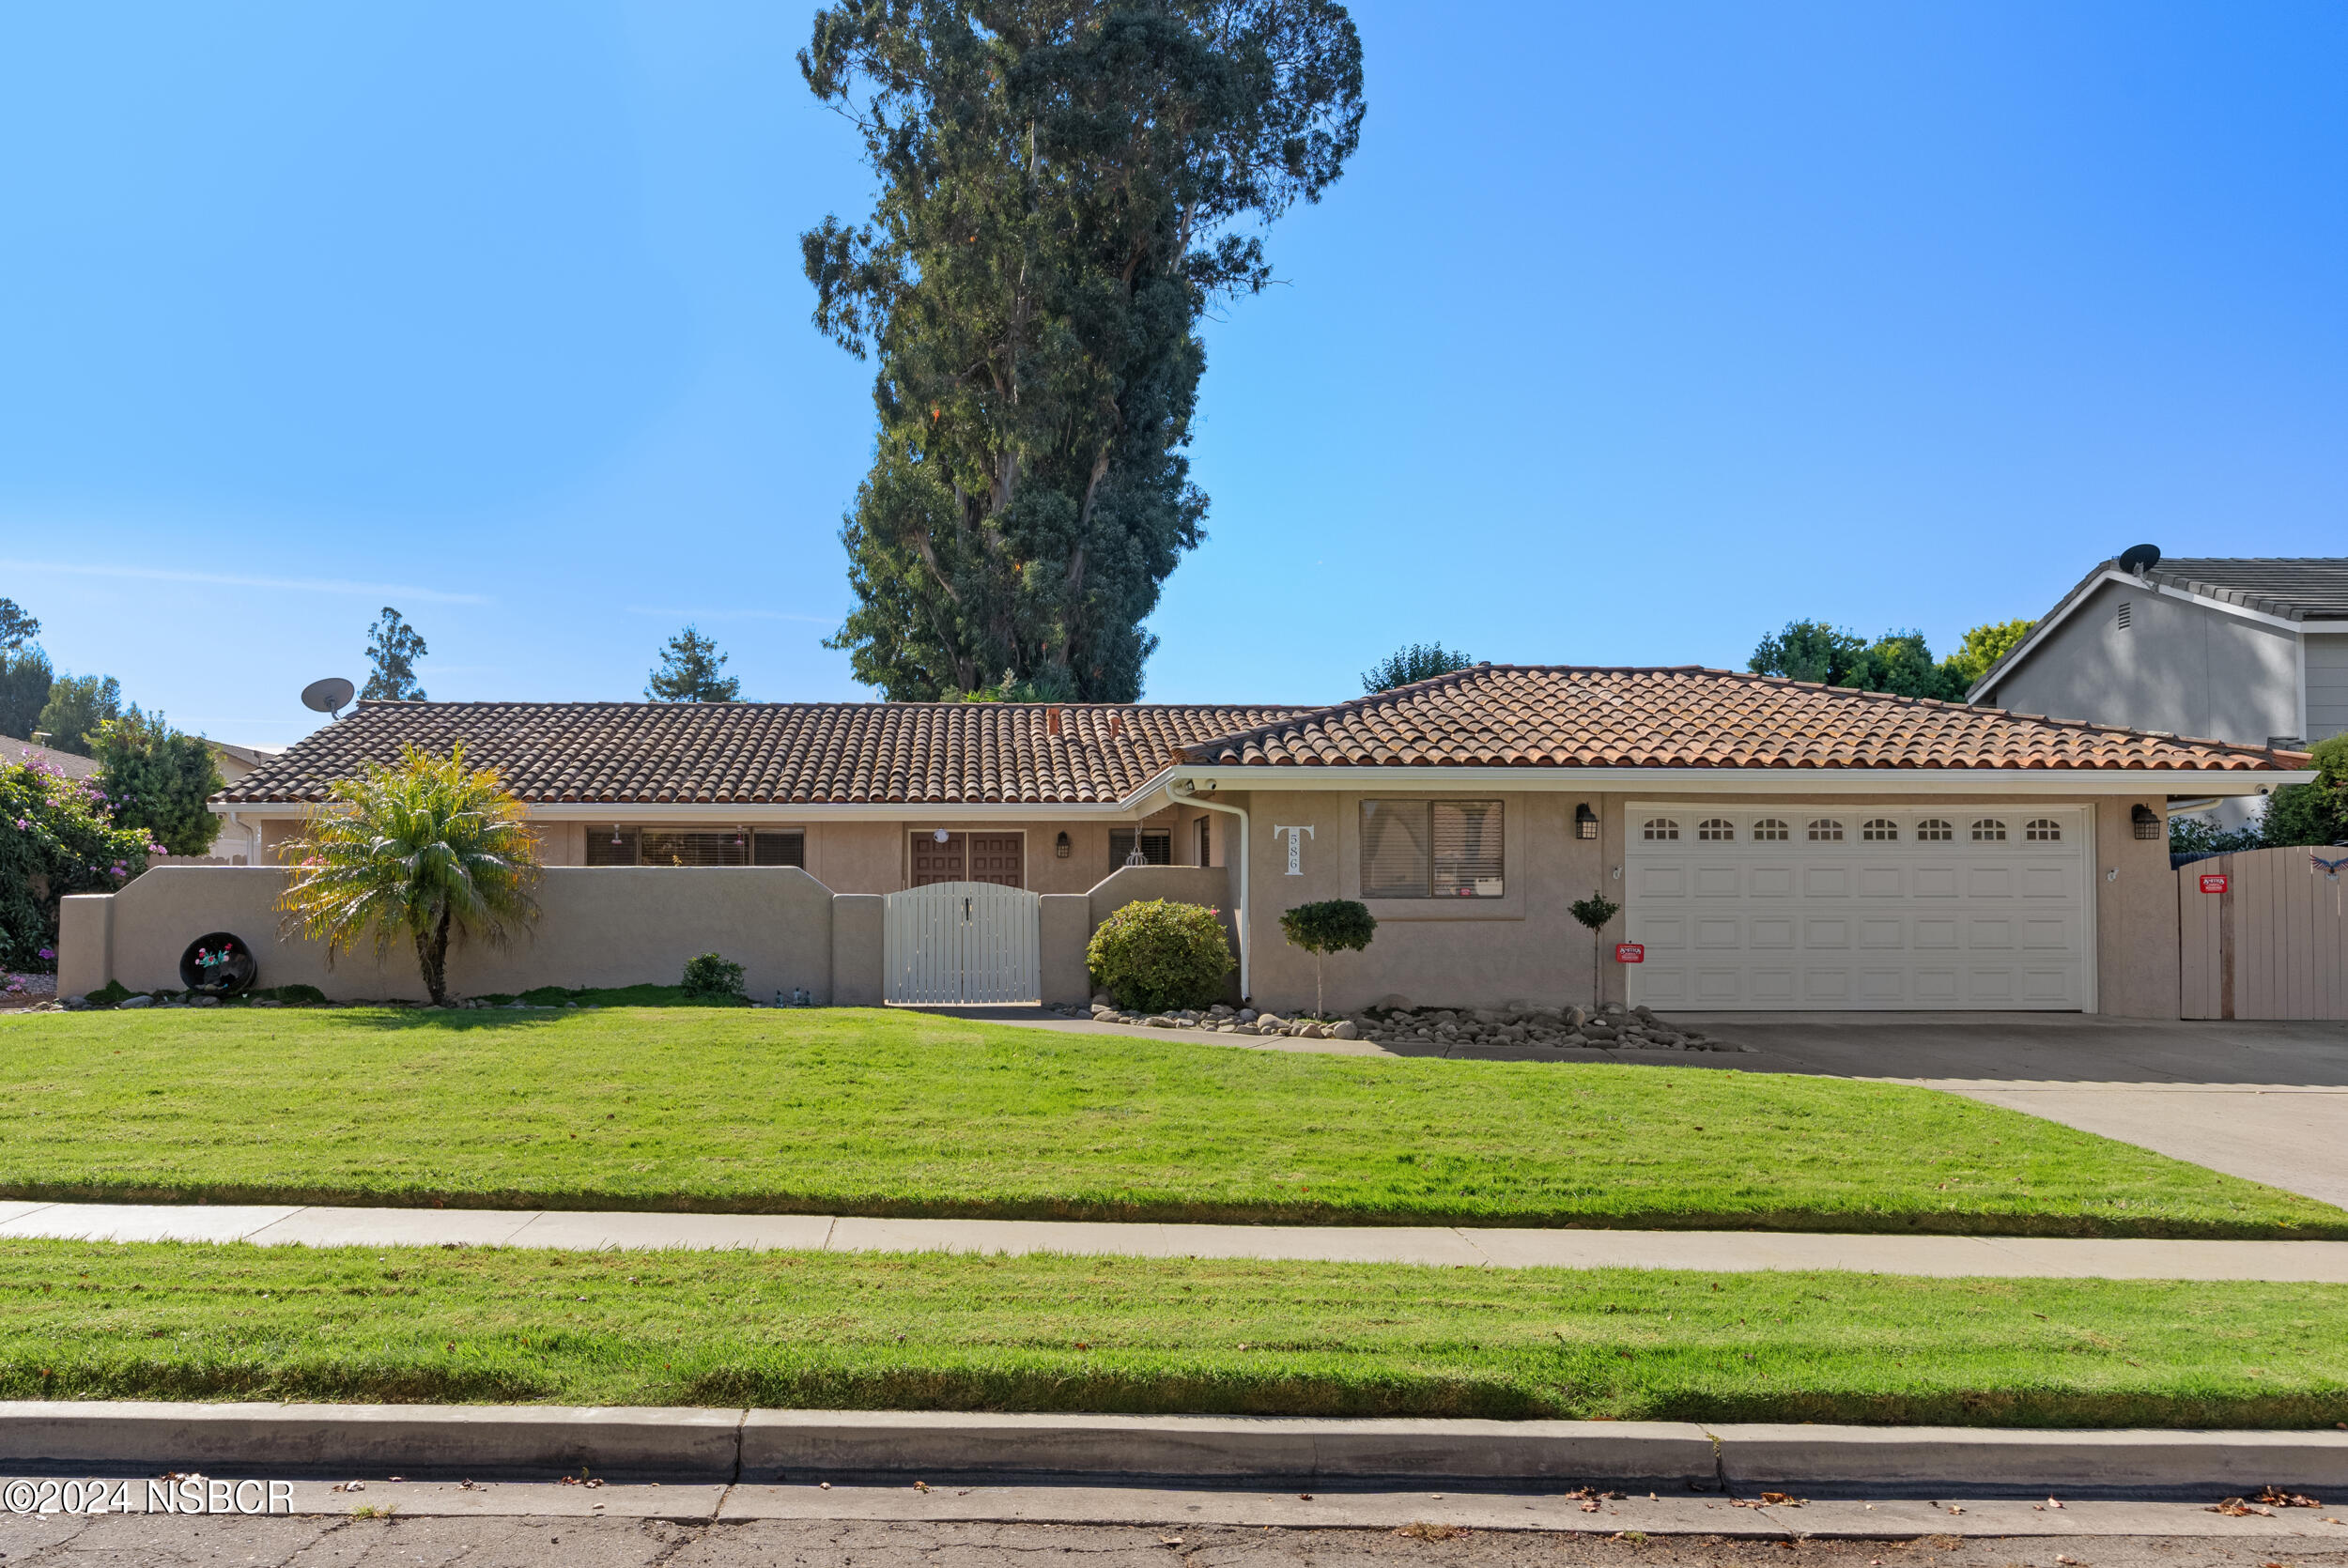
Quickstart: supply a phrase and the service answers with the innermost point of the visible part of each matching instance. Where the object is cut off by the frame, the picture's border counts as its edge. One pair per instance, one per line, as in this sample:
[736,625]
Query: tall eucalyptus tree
[1066,186]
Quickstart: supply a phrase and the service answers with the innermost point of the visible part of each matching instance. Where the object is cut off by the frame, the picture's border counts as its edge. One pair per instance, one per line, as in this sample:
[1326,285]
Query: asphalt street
[131,1542]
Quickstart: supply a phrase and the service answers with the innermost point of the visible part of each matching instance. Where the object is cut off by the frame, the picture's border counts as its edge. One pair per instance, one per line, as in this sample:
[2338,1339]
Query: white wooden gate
[963,942]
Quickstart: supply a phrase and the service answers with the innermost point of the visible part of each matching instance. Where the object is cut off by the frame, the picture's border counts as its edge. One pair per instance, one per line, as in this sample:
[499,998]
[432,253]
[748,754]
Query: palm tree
[419,848]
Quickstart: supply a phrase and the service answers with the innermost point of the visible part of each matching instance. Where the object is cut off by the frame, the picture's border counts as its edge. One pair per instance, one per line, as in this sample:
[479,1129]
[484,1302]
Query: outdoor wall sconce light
[2147,821]
[1584,821]
[1060,847]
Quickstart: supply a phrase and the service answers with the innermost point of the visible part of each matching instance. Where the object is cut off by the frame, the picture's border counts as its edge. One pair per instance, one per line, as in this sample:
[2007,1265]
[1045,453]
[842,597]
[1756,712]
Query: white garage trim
[1823,905]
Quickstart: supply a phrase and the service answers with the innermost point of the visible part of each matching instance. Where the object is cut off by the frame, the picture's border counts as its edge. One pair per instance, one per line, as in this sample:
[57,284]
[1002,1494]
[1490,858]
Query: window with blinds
[672,845]
[1431,849]
[681,846]
[610,846]
[1157,846]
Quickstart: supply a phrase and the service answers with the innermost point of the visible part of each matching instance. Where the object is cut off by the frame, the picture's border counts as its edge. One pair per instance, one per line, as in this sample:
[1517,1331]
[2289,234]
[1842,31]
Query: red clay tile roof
[1556,715]
[921,753]
[780,753]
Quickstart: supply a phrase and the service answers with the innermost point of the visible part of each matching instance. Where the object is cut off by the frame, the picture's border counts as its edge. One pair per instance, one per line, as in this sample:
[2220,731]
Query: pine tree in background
[1420,661]
[24,673]
[1065,187]
[690,672]
[393,649]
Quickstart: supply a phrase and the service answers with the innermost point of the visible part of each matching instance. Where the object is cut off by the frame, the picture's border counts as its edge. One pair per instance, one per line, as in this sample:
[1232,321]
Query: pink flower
[48,952]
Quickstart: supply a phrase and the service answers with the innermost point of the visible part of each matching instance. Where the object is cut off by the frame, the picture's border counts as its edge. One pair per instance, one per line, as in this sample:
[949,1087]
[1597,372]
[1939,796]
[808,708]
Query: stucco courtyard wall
[599,926]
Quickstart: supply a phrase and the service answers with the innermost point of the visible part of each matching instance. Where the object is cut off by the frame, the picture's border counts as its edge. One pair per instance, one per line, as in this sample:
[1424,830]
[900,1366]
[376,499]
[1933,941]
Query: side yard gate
[954,942]
[2264,934]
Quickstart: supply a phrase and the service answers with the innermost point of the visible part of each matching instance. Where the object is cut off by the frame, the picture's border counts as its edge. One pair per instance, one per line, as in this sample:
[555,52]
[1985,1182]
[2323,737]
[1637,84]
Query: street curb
[370,1438]
[794,1443]
[1908,1458]
[764,1446]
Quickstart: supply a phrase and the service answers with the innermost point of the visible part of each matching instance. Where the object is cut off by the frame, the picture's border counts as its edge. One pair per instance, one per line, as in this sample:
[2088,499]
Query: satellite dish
[330,696]
[2139,559]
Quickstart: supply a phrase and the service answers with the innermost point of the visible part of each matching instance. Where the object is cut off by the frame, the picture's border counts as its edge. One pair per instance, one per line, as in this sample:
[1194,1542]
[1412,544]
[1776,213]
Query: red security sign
[1630,952]
[2213,881]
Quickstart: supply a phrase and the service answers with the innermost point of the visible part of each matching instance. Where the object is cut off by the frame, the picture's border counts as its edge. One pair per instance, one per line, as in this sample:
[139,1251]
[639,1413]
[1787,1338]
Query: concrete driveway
[2268,1101]
[2265,1102]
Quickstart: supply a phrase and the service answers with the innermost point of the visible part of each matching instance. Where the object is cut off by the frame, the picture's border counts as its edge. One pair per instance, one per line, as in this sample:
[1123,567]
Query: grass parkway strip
[82,1320]
[884,1113]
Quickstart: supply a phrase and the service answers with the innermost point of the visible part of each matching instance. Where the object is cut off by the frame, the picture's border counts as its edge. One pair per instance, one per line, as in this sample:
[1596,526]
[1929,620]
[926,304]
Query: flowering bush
[1161,954]
[56,838]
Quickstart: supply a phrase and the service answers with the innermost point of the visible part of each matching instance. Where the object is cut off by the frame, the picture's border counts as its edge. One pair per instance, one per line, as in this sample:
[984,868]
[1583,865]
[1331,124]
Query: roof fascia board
[1745,781]
[727,813]
[2020,651]
[1210,781]
[2282,621]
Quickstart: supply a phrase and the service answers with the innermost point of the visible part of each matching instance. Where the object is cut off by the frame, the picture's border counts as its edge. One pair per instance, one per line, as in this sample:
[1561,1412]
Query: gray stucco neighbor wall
[2327,684]
[2179,666]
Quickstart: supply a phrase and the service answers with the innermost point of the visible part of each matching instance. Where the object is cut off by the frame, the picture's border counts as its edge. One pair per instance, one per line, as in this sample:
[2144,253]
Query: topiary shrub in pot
[1331,926]
[1159,954]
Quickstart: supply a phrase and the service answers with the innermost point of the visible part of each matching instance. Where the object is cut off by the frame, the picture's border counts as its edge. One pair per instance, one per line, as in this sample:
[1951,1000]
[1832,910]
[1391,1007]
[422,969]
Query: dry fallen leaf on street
[2275,1497]
[2235,1508]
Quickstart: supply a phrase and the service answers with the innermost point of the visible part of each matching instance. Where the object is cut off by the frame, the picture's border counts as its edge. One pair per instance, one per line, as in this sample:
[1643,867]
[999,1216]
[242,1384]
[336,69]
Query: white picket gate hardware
[960,942]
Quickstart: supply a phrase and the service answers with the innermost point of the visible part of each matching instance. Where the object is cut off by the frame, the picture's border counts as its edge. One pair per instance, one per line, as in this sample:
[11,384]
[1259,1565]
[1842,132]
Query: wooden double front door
[1001,858]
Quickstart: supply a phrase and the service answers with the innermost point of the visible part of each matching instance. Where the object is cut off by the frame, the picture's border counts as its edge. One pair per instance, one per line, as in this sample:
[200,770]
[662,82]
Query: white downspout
[1182,788]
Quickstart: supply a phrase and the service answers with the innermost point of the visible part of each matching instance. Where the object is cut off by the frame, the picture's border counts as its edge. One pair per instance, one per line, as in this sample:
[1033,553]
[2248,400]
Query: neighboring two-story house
[2250,651]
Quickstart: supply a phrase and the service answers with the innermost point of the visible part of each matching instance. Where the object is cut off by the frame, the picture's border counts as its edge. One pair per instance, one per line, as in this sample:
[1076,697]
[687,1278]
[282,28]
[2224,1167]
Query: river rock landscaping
[1396,1022]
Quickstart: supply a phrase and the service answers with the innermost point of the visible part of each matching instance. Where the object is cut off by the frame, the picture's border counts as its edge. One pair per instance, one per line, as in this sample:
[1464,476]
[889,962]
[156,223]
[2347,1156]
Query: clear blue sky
[1632,332]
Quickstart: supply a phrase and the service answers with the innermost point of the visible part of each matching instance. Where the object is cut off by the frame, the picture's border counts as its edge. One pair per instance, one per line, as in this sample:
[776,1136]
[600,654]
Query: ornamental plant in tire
[1331,926]
[1159,954]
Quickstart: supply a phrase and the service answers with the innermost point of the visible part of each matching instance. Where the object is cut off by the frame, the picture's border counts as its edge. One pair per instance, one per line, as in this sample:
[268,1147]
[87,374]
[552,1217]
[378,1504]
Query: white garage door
[1835,906]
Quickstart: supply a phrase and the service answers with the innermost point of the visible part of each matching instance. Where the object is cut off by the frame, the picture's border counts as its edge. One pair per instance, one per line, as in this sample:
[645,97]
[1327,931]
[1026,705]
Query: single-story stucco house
[1773,844]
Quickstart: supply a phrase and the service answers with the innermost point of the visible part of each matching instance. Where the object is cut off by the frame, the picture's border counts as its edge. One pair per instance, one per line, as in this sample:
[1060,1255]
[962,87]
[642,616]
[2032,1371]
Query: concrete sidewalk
[1435,1246]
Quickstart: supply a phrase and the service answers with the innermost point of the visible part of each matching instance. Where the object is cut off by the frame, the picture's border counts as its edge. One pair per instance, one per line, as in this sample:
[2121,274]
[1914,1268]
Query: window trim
[1362,807]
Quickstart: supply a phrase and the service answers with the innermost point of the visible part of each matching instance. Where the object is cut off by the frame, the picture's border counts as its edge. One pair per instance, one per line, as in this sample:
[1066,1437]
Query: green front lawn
[84,1321]
[883,1112]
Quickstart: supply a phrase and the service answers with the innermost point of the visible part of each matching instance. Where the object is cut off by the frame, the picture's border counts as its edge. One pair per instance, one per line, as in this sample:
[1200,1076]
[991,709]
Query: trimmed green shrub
[710,975]
[1159,954]
[1593,911]
[1331,926]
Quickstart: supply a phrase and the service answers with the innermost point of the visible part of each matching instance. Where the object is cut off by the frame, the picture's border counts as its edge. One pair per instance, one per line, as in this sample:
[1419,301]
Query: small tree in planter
[1593,911]
[1158,953]
[1332,926]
